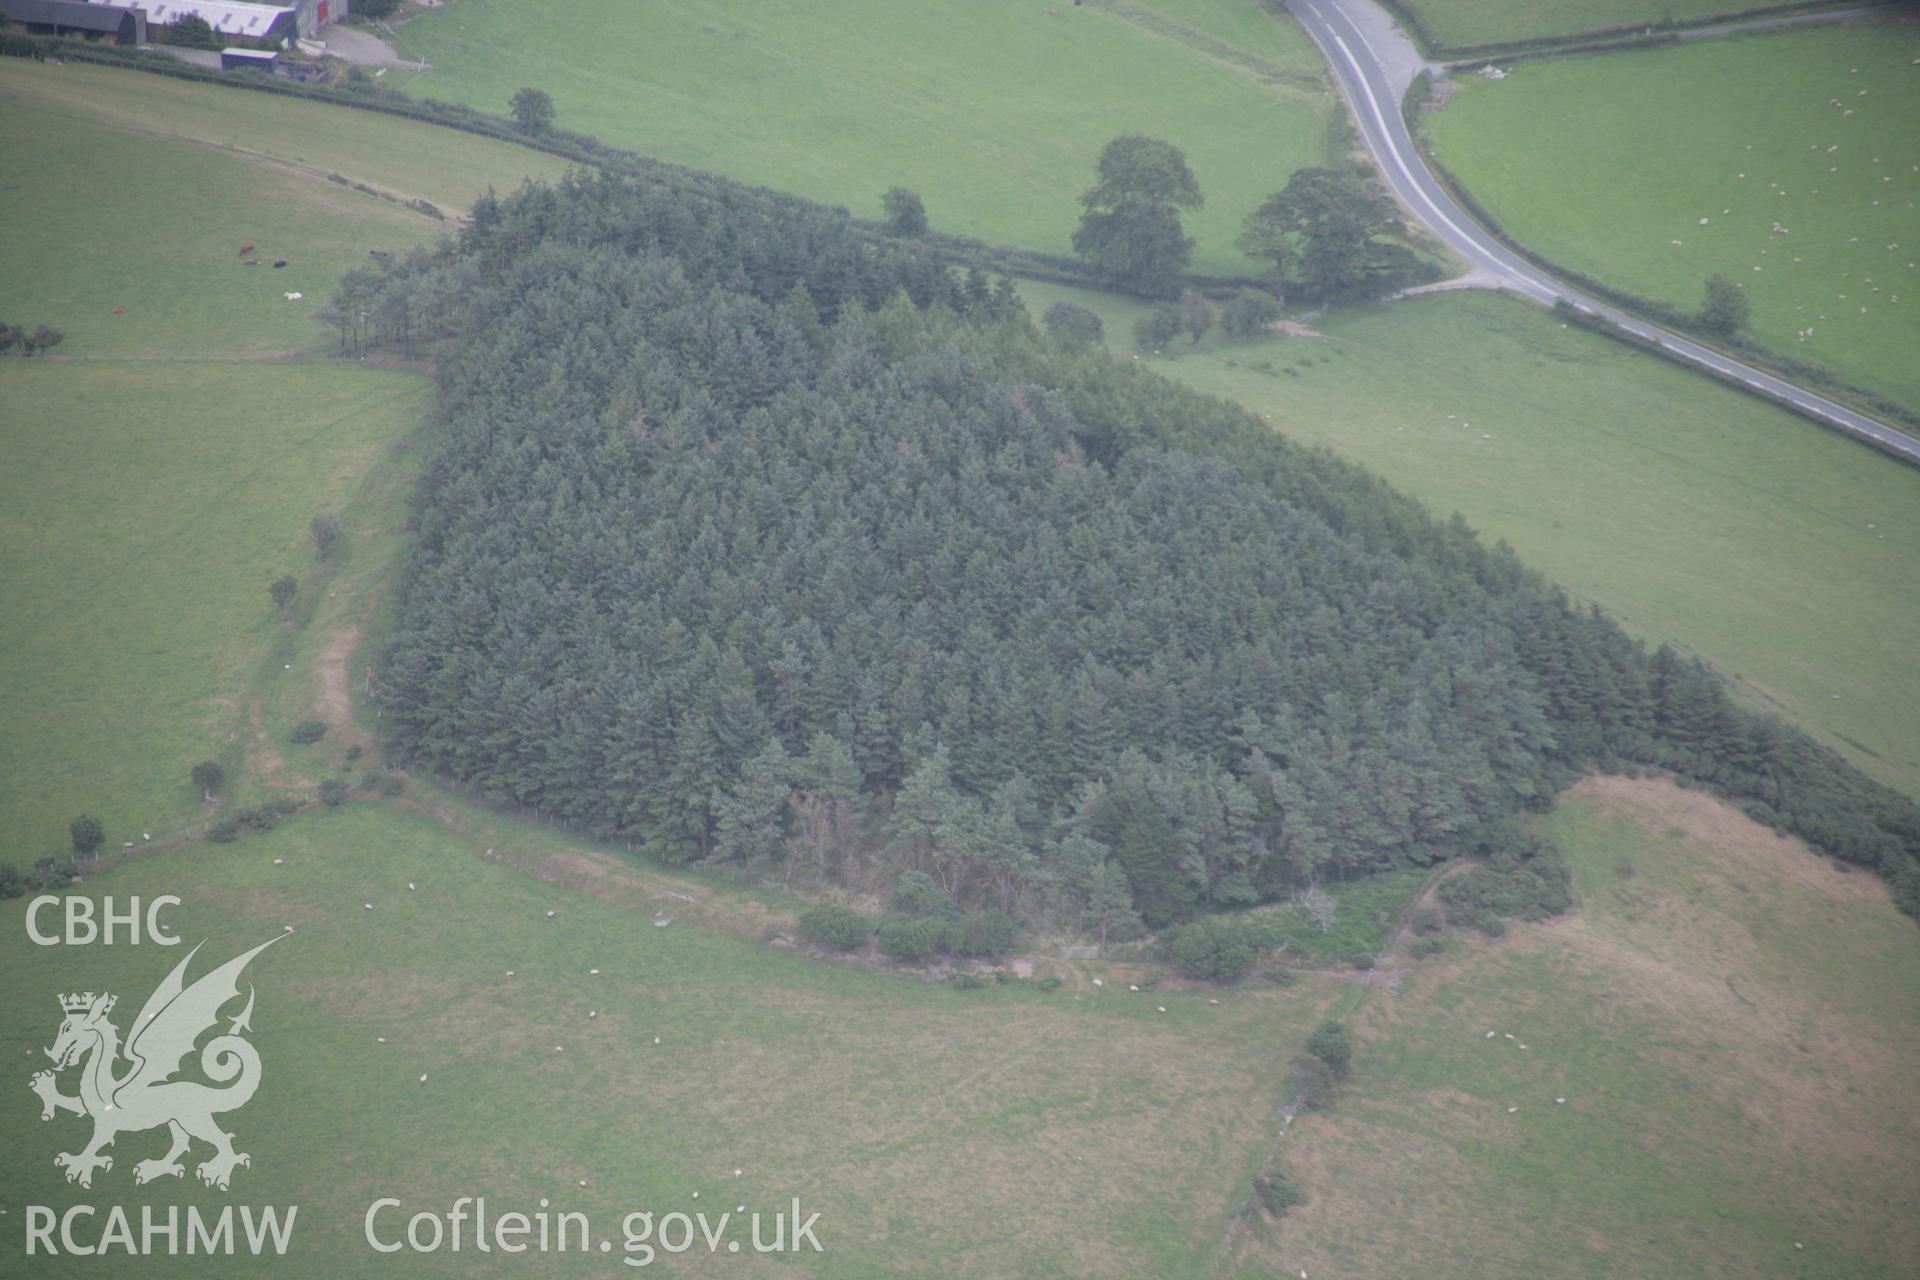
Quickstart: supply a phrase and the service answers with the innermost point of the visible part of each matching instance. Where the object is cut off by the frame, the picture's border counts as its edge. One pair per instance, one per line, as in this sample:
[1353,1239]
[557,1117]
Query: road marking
[1400,163]
[1405,177]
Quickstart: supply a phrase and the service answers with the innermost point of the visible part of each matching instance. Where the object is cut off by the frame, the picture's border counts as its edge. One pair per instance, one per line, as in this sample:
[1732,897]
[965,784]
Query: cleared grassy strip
[1729,1019]
[1786,161]
[993,110]
[937,1131]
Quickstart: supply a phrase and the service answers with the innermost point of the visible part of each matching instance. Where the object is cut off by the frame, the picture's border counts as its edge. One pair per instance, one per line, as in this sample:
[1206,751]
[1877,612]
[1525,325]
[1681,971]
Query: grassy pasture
[1603,163]
[1003,1131]
[136,191]
[146,507]
[939,1132]
[1471,22]
[1730,1020]
[148,502]
[1778,550]
[993,110]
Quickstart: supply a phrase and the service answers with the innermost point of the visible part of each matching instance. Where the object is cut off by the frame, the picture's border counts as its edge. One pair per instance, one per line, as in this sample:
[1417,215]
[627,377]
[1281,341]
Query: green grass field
[147,507]
[148,502]
[1730,1020]
[1603,163]
[993,110]
[1461,23]
[937,1131]
[137,191]
[1696,514]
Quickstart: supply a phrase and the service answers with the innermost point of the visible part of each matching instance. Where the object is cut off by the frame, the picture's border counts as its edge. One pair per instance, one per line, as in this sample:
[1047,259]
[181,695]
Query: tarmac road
[1375,62]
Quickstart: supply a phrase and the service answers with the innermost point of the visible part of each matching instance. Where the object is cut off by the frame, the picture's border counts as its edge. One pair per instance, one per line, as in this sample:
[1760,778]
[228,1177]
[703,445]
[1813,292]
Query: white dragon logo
[146,1096]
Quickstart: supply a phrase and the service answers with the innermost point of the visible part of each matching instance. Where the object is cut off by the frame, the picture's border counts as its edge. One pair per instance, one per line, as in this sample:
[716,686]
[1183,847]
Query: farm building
[114,24]
[315,14]
[256,23]
[258,59]
[261,24]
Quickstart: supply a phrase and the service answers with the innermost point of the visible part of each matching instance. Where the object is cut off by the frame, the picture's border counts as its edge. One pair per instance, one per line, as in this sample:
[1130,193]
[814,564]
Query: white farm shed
[266,22]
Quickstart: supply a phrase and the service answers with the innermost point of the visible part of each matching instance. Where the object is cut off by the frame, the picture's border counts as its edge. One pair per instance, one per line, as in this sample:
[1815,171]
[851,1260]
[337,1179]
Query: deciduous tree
[532,110]
[1130,226]
[1326,234]
[906,214]
[86,833]
[207,775]
[324,529]
[1725,310]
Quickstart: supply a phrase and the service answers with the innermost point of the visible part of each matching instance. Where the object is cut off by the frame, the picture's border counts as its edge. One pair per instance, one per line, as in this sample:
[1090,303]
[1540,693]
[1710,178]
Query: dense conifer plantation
[758,545]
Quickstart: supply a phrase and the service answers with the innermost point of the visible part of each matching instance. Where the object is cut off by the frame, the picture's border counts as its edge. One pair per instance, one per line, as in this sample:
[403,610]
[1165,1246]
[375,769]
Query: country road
[1375,62]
